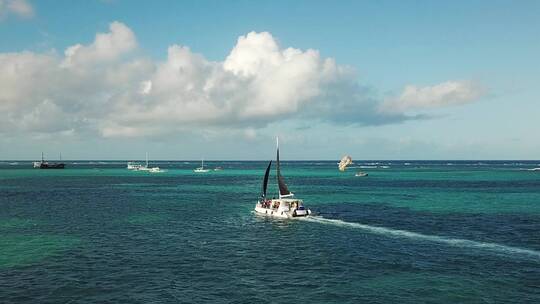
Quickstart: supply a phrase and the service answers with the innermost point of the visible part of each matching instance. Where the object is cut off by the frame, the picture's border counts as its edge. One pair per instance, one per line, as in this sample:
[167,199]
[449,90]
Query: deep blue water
[410,232]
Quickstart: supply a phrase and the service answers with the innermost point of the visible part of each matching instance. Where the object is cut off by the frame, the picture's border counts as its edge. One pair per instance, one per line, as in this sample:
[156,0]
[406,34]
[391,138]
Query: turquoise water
[410,232]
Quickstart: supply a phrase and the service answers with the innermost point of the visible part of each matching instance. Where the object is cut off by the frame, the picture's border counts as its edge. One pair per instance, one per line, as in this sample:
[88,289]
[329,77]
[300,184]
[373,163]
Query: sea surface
[410,232]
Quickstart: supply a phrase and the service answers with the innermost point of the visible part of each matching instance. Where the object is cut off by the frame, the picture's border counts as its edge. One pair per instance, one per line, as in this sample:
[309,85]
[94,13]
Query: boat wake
[494,247]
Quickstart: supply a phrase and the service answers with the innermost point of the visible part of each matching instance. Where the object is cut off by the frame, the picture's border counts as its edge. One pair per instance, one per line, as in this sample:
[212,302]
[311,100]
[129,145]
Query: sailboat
[201,169]
[285,206]
[150,169]
[138,167]
[46,165]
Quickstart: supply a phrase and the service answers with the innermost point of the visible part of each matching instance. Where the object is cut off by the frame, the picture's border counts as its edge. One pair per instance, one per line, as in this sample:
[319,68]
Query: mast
[202,163]
[42,158]
[265,181]
[277,166]
[283,190]
[146,159]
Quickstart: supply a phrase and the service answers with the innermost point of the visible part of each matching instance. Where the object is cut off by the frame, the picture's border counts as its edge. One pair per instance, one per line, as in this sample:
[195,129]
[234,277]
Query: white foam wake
[431,238]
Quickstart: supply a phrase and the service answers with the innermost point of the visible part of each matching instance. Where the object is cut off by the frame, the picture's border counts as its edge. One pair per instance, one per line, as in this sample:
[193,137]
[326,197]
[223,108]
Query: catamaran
[285,206]
[201,169]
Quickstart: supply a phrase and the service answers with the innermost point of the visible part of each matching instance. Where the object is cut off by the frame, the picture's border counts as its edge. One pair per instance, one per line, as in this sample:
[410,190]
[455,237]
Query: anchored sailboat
[47,165]
[145,167]
[138,167]
[286,206]
[201,169]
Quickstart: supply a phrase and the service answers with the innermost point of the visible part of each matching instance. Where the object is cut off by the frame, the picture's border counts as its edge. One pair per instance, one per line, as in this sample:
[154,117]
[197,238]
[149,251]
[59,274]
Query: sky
[221,79]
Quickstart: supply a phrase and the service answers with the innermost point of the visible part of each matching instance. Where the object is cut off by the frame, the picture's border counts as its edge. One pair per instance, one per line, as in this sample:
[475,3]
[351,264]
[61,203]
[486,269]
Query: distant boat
[47,165]
[201,169]
[138,167]
[133,166]
[218,169]
[361,174]
[145,167]
[286,206]
[156,170]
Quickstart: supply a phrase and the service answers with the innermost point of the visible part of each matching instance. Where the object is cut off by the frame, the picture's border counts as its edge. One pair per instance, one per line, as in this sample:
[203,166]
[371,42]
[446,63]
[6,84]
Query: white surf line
[426,237]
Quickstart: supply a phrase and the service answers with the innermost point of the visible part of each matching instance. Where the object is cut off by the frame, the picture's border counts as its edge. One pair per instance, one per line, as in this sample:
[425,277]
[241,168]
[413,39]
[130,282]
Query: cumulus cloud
[73,91]
[103,88]
[105,48]
[441,95]
[20,8]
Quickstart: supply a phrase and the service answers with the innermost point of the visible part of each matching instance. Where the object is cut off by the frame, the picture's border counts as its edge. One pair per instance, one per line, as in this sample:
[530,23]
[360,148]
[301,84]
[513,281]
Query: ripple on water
[22,250]
[16,223]
[425,286]
[146,218]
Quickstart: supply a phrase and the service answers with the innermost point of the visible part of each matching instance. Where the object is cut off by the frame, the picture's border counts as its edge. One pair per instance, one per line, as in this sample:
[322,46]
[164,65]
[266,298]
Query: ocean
[410,232]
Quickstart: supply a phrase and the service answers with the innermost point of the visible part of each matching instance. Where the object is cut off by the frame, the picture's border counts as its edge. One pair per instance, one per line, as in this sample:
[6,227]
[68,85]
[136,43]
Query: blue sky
[385,80]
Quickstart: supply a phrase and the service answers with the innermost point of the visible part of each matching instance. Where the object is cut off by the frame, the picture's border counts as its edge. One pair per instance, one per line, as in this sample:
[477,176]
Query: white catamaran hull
[282,208]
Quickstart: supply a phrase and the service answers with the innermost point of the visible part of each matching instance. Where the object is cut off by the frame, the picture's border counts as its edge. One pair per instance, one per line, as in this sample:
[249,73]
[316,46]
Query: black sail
[265,182]
[283,190]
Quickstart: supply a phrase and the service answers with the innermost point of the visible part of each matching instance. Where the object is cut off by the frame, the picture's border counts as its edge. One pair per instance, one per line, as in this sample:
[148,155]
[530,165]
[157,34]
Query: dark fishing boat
[47,165]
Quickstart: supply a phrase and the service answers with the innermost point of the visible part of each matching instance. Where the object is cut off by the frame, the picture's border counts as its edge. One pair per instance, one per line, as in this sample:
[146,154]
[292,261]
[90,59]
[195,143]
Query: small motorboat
[155,170]
[361,174]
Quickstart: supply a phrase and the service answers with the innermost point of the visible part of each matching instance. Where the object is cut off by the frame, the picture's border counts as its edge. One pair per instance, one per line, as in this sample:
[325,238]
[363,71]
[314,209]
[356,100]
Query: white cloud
[20,77]
[20,8]
[105,48]
[102,88]
[441,95]
[146,87]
